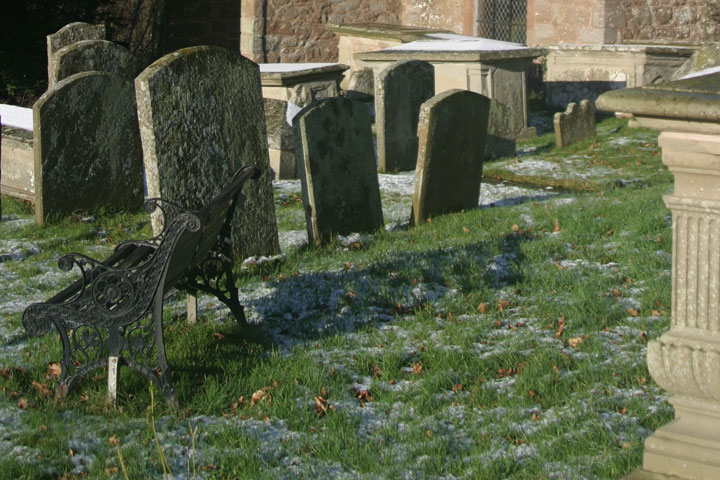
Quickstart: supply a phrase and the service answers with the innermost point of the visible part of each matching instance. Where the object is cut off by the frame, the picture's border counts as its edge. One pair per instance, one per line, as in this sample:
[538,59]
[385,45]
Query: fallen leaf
[655,313]
[560,328]
[111,471]
[417,368]
[457,387]
[515,227]
[556,227]
[632,312]
[555,369]
[42,389]
[376,371]
[466,230]
[575,341]
[534,417]
[502,303]
[322,406]
[23,403]
[218,335]
[114,440]
[240,402]
[260,395]
[482,308]
[616,292]
[53,370]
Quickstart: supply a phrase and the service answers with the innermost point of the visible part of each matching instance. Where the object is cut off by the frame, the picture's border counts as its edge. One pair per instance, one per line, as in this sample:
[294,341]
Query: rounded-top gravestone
[89,55]
[87,146]
[201,118]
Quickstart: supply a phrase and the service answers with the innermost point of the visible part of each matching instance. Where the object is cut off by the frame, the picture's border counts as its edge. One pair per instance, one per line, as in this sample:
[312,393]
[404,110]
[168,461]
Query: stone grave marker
[361,85]
[336,166]
[201,118]
[86,146]
[452,131]
[281,140]
[70,33]
[400,90]
[0,165]
[575,124]
[87,55]
[501,131]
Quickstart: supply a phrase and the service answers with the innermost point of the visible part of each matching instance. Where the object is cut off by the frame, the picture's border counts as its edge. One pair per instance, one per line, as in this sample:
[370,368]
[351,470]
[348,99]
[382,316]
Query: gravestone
[336,166]
[201,118]
[361,85]
[86,146]
[281,140]
[575,124]
[707,56]
[400,90]
[501,131]
[88,55]
[70,33]
[452,130]
[0,165]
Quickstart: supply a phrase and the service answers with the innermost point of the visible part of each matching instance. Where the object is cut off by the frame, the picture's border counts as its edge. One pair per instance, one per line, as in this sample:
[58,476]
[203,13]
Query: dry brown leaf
[632,312]
[111,471]
[616,292]
[515,227]
[42,389]
[482,308]
[560,328]
[457,387]
[502,303]
[466,230]
[376,371]
[417,368]
[53,370]
[23,403]
[655,313]
[114,440]
[218,335]
[556,227]
[575,341]
[261,395]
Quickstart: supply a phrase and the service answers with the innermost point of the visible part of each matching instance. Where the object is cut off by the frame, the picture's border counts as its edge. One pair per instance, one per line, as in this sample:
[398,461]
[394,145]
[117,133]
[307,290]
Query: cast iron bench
[112,315]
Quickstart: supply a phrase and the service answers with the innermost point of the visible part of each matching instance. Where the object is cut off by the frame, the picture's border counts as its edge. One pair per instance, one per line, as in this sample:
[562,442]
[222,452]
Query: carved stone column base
[641,474]
[688,447]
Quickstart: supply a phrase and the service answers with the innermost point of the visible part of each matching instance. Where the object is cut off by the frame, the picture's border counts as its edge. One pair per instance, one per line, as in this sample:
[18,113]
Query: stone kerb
[70,33]
[452,131]
[400,90]
[88,55]
[201,118]
[575,124]
[336,165]
[86,146]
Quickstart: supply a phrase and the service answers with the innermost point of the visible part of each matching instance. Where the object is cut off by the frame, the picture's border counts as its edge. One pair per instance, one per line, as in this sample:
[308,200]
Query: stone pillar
[252,29]
[685,360]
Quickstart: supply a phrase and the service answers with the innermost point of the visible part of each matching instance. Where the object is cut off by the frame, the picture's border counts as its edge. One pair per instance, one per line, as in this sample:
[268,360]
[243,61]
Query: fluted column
[685,360]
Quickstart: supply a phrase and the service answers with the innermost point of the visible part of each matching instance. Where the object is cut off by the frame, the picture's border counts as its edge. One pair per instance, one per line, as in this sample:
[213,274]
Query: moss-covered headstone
[201,118]
[336,166]
[70,33]
[400,89]
[452,131]
[88,55]
[86,146]
[576,123]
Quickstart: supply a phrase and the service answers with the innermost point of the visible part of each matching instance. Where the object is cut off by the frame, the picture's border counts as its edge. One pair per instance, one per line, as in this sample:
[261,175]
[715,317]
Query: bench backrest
[215,221]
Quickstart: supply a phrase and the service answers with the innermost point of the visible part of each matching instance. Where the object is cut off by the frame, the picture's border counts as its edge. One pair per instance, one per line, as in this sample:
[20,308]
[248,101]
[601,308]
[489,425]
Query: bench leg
[192,309]
[215,277]
[112,379]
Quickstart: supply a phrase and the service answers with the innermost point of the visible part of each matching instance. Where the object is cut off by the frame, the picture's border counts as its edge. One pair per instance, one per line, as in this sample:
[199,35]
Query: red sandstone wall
[455,15]
[617,21]
[691,21]
[295,29]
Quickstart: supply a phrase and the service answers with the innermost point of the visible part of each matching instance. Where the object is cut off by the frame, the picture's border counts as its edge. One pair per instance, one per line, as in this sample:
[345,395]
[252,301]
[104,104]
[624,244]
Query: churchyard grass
[506,341]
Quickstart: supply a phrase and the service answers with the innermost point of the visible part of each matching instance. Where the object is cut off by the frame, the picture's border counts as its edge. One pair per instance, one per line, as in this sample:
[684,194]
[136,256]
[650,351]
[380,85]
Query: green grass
[504,342]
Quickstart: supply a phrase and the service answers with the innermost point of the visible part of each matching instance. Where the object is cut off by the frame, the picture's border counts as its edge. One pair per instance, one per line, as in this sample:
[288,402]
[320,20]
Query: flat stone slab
[86,146]
[452,131]
[16,117]
[575,124]
[88,55]
[336,165]
[201,118]
[276,74]
[400,90]
[382,31]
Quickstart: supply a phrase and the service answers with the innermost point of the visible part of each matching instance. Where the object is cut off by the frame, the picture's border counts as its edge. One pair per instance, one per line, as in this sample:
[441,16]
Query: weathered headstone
[501,131]
[400,89]
[88,55]
[575,124]
[361,85]
[201,118]
[0,165]
[336,166]
[70,33]
[87,146]
[452,130]
[281,141]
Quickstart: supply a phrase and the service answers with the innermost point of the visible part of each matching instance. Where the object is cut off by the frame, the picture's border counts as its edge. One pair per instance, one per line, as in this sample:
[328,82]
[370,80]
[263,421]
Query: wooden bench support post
[192,309]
